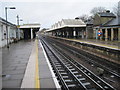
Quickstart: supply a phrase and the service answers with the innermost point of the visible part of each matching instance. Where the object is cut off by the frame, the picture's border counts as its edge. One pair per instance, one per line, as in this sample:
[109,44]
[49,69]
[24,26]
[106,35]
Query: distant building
[69,28]
[3,33]
[108,25]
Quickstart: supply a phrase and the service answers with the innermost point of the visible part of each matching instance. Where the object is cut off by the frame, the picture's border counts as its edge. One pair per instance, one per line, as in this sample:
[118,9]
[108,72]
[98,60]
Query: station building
[109,26]
[25,31]
[69,28]
[12,28]
[106,23]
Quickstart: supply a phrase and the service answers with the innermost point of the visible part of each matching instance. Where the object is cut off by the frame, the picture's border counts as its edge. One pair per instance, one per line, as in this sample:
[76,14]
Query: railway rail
[71,74]
[110,71]
[113,69]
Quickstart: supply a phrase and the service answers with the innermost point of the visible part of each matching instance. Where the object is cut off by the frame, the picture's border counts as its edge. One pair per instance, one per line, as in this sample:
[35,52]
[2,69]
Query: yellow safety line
[37,81]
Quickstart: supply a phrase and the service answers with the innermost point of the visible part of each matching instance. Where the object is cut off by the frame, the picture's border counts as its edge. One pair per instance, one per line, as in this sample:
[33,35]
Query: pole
[6,26]
[18,26]
[17,20]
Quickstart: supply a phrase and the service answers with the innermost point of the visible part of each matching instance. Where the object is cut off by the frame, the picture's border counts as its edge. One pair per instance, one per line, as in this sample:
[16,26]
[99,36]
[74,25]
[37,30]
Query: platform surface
[107,44]
[14,63]
[25,65]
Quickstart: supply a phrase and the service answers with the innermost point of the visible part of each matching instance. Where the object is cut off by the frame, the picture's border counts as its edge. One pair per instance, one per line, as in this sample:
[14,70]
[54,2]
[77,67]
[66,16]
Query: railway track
[71,74]
[92,60]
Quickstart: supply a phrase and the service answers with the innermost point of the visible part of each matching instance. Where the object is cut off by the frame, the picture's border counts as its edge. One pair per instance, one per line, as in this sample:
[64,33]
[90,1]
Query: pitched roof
[68,23]
[8,23]
[73,22]
[114,21]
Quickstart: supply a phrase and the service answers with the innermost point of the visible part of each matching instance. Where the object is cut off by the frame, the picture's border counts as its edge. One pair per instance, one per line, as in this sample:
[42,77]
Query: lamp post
[7,22]
[18,32]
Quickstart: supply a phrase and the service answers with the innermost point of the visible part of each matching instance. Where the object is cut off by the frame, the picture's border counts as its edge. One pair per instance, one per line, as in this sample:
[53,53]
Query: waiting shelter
[29,30]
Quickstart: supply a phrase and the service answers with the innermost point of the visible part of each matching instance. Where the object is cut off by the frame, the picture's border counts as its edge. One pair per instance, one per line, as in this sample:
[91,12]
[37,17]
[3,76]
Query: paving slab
[11,83]
[14,63]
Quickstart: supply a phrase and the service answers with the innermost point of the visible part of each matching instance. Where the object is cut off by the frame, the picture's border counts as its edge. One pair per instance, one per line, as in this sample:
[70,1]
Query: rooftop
[114,21]
[9,23]
[73,22]
[106,14]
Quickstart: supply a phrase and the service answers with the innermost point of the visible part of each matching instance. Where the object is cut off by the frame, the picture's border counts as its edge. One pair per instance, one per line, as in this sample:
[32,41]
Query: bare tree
[83,17]
[97,10]
[116,9]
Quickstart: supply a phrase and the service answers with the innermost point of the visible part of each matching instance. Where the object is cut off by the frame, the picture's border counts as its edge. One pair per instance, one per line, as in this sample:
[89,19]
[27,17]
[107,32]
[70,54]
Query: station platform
[25,65]
[107,44]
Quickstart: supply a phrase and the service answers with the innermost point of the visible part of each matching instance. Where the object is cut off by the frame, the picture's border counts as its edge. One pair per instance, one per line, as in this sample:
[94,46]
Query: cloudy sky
[47,12]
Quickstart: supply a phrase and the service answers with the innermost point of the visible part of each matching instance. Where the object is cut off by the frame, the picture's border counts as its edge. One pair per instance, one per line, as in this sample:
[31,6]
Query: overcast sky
[47,12]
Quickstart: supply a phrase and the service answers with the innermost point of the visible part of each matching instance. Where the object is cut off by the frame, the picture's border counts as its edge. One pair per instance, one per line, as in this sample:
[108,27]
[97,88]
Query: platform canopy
[67,23]
[30,26]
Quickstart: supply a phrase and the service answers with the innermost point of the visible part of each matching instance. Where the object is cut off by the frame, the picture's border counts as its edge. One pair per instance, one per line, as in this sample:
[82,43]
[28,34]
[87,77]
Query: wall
[11,34]
[89,32]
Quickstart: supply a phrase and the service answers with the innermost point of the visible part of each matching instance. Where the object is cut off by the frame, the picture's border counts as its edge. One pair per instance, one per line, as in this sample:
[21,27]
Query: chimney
[107,11]
[77,18]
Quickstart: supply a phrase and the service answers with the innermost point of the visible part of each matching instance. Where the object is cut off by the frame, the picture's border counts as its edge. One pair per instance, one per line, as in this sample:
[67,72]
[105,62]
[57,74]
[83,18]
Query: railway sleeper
[68,80]
[79,76]
[65,77]
[71,85]
[61,70]
[86,83]
[67,64]
[70,66]
[63,73]
[58,65]
[72,69]
[81,79]
[75,72]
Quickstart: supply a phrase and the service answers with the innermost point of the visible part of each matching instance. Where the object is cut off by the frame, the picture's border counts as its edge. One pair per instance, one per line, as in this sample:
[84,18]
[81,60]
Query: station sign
[99,33]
